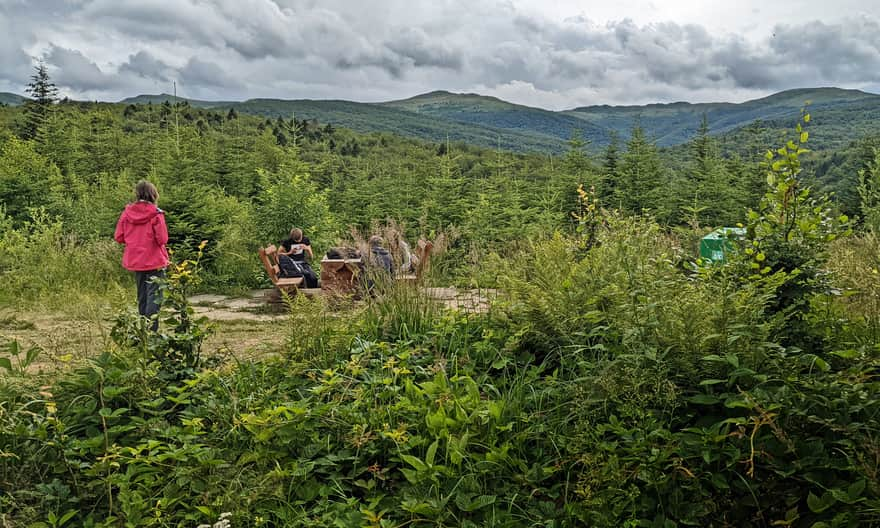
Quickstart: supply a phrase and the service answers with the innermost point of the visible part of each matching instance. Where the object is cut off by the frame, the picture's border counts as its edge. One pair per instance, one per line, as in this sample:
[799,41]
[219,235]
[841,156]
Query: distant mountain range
[839,117]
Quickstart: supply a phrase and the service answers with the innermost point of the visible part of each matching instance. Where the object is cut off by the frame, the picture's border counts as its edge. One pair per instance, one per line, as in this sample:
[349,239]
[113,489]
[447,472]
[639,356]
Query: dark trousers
[149,296]
[309,277]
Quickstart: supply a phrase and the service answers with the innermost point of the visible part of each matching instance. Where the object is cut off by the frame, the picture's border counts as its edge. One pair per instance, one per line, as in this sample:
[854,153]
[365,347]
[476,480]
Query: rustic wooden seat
[268,256]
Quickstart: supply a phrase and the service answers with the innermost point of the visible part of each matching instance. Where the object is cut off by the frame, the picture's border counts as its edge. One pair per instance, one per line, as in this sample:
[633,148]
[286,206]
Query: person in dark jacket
[380,256]
[141,227]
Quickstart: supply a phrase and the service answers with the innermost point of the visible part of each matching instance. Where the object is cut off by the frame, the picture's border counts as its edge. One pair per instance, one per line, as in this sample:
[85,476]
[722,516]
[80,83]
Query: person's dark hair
[376,241]
[146,191]
[296,234]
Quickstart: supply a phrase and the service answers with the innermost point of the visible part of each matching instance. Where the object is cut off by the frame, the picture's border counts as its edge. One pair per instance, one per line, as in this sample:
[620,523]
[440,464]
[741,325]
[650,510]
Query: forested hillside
[844,116]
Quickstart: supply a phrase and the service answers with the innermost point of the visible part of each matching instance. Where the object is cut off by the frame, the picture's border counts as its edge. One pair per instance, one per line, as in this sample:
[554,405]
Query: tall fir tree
[610,162]
[708,187]
[37,110]
[640,178]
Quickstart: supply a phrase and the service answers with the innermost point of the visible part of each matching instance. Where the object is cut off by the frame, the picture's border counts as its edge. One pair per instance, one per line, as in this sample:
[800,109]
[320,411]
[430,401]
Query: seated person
[409,262]
[380,258]
[292,258]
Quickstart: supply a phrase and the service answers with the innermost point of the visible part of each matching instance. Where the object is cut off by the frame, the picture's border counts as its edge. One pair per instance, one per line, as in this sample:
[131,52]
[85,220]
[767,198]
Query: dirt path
[244,326]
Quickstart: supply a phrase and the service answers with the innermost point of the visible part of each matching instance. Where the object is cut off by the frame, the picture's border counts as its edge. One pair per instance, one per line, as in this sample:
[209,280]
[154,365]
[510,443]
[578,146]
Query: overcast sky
[549,53]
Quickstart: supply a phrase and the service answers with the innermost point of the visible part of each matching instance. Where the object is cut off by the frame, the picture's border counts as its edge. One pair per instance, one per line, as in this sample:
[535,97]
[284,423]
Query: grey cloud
[416,45]
[198,72]
[74,70]
[396,48]
[145,65]
[16,62]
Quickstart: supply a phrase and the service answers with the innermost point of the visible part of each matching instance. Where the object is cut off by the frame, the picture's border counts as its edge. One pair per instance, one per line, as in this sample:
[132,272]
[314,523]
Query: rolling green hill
[840,116]
[493,112]
[161,98]
[377,117]
[11,99]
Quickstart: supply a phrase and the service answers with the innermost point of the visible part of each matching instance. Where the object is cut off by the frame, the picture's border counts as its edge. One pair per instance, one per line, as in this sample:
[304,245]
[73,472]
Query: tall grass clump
[41,263]
[855,263]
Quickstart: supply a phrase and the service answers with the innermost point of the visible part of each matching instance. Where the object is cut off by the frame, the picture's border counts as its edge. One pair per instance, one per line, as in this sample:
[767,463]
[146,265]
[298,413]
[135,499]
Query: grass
[68,340]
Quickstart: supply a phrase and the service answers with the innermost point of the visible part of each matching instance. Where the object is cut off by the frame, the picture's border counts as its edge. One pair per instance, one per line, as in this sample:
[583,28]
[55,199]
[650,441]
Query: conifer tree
[640,182]
[610,162]
[708,186]
[44,94]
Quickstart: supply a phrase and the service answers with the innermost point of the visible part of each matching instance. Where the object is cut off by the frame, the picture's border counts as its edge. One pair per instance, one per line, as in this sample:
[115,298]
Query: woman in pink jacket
[142,229]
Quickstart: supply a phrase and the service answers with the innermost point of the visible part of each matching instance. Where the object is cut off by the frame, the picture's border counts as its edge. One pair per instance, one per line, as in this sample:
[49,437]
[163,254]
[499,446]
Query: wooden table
[340,275]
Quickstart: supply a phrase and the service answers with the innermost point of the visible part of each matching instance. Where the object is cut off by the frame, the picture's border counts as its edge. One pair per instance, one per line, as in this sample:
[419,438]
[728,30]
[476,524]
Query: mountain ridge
[439,115]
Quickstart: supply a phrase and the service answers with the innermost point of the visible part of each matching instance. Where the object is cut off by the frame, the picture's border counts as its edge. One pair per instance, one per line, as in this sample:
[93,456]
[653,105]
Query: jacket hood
[141,212]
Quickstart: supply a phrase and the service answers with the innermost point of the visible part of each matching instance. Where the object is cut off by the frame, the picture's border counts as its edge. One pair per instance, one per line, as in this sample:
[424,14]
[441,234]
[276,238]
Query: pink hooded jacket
[142,229]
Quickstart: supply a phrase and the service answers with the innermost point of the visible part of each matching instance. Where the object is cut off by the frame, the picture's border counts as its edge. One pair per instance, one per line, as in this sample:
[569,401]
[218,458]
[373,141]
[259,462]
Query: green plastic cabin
[719,243]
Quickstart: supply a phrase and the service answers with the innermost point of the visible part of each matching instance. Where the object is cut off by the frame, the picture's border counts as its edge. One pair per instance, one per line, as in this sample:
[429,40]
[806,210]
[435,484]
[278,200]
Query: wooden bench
[269,258]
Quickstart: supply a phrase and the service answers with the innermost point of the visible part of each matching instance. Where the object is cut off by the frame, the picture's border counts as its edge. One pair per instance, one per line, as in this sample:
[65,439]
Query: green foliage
[25,177]
[39,109]
[40,261]
[16,360]
[177,347]
[869,192]
[790,232]
[640,182]
[614,383]
[293,200]
[615,388]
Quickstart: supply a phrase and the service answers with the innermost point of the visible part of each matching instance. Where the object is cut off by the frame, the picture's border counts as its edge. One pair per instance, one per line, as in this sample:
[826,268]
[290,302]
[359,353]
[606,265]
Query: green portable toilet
[717,244]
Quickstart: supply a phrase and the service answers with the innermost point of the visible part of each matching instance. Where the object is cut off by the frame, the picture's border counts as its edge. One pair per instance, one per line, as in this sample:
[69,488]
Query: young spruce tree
[43,94]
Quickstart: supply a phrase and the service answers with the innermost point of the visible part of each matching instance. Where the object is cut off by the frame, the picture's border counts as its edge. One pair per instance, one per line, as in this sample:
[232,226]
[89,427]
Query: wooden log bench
[269,258]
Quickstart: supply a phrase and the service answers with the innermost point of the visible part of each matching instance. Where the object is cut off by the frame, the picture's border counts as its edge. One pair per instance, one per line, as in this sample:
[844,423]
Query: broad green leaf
[66,517]
[856,488]
[31,355]
[480,502]
[414,462]
[432,452]
[6,363]
[818,505]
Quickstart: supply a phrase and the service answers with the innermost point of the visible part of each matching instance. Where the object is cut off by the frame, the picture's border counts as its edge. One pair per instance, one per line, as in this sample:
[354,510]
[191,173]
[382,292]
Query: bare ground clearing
[244,326]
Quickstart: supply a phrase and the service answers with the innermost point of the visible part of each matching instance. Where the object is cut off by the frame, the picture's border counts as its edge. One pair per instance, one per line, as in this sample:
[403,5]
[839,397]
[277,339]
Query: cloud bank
[237,49]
